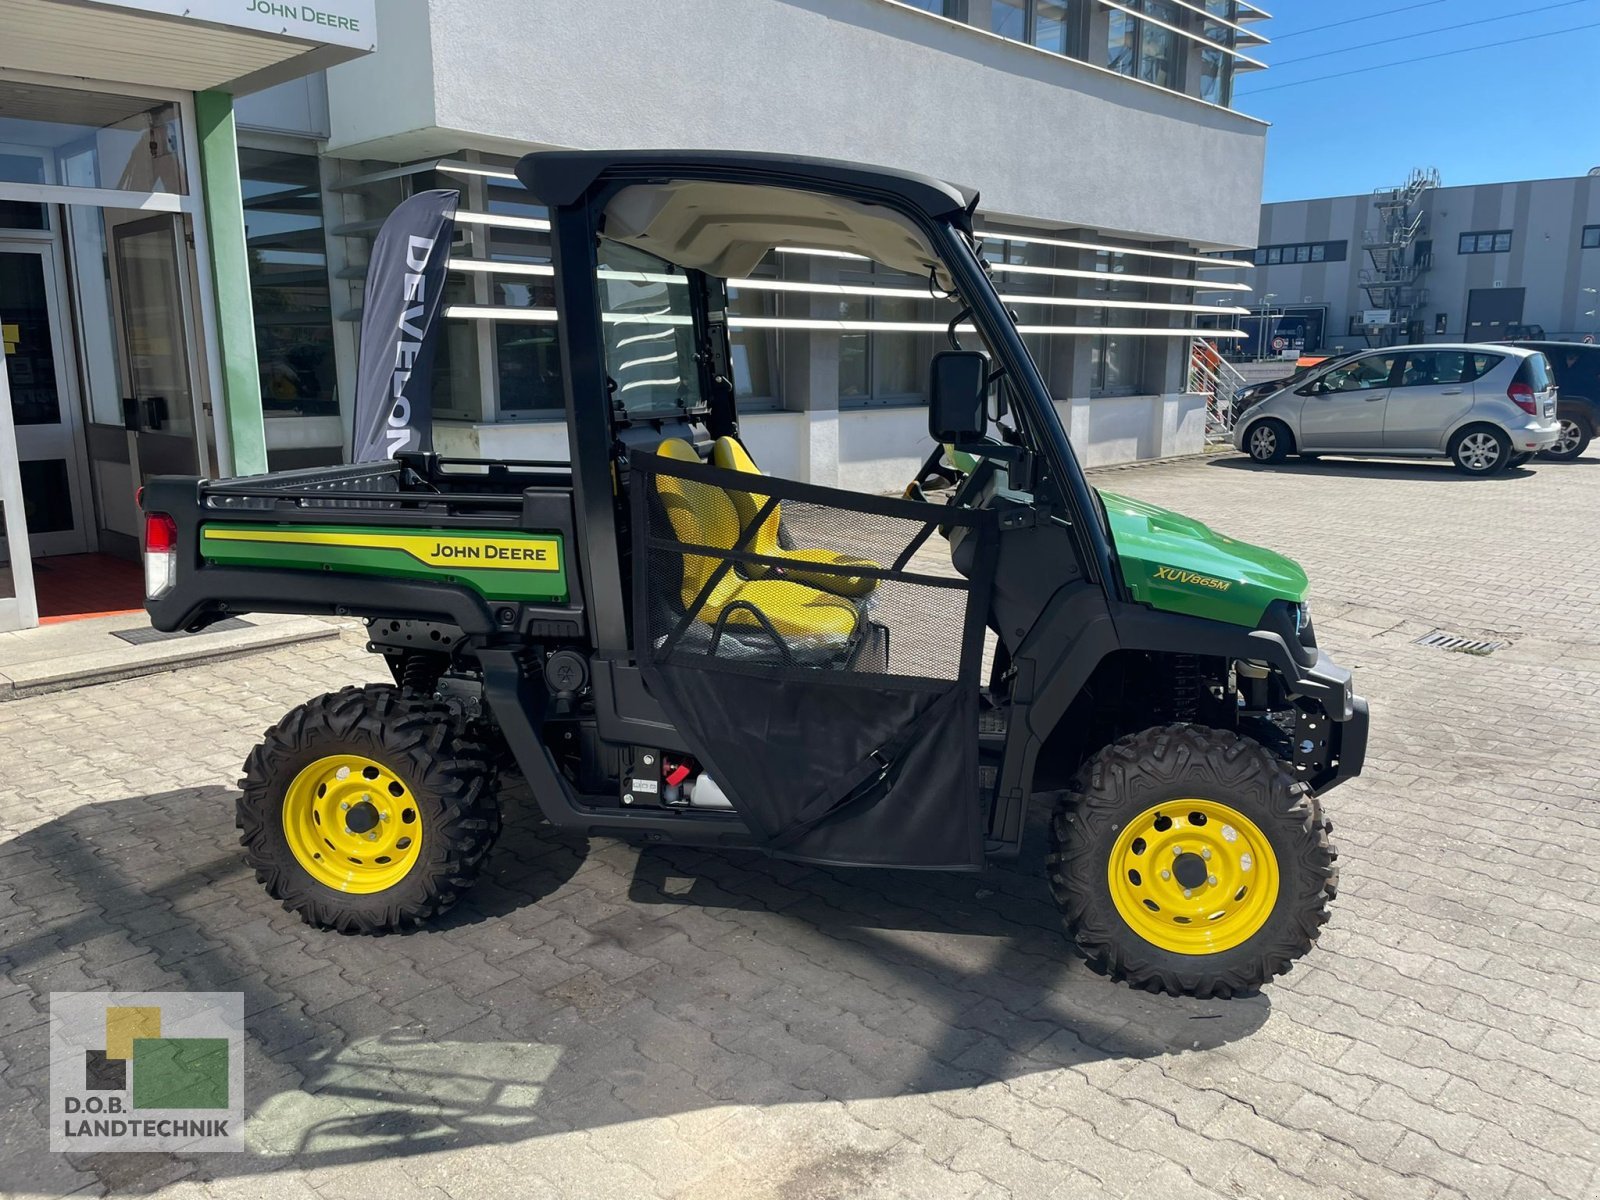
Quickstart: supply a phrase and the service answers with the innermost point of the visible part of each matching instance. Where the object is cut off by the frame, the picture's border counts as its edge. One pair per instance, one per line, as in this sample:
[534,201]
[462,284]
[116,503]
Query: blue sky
[1527,110]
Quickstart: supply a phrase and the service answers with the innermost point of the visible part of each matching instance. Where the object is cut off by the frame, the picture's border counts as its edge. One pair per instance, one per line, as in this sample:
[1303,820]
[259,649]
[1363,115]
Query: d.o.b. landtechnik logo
[146,1071]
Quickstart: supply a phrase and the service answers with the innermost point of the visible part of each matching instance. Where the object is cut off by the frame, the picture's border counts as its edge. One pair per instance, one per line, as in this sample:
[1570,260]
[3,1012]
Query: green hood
[1175,563]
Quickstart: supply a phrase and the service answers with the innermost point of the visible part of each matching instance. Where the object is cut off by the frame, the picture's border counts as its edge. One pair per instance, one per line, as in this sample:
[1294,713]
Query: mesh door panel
[815,647]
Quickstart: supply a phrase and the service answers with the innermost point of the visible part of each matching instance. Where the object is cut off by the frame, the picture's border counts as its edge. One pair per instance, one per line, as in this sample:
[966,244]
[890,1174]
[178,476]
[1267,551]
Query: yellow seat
[729,454]
[704,515]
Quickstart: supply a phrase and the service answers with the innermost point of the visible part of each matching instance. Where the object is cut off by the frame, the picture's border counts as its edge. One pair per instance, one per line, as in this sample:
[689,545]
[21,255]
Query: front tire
[1480,450]
[1186,860]
[367,810]
[1269,441]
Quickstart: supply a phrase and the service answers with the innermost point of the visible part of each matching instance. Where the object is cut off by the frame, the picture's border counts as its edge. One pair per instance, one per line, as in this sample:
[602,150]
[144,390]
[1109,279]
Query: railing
[1214,377]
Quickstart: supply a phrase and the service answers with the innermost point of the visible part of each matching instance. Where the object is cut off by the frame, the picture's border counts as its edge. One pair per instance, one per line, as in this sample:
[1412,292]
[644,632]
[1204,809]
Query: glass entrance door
[44,411]
[152,289]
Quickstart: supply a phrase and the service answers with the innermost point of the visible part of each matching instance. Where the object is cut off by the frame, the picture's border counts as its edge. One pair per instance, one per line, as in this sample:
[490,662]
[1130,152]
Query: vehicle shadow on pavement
[1429,470]
[578,985]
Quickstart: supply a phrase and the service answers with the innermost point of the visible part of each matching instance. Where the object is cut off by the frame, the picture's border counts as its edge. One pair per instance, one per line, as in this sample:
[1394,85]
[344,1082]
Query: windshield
[649,333]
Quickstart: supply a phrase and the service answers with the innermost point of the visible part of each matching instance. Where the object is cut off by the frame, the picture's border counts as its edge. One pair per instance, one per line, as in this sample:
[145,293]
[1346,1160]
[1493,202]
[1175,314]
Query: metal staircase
[1392,280]
[1218,381]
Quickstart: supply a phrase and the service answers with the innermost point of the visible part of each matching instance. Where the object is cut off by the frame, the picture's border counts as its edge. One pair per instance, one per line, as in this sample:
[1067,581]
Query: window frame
[1589,239]
[1075,20]
[1478,236]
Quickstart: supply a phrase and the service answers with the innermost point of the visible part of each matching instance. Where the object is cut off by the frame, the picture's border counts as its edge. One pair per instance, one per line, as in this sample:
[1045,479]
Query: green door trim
[230,279]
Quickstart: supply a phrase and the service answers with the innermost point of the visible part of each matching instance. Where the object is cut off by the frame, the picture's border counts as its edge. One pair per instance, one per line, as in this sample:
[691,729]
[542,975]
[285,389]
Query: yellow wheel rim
[352,824]
[1193,876]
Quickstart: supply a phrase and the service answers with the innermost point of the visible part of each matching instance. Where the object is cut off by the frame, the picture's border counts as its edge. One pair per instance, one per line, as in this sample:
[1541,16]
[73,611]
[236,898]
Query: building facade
[129,350]
[1438,264]
[1111,165]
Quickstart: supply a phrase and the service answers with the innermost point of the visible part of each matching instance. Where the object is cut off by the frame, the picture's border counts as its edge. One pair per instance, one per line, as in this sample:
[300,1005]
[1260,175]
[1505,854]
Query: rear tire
[1518,460]
[367,810]
[1269,441]
[1574,440]
[1480,450]
[1268,866]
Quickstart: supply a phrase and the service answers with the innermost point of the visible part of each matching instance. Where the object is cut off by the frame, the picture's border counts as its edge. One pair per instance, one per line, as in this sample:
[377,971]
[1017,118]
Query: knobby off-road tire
[424,771]
[1171,774]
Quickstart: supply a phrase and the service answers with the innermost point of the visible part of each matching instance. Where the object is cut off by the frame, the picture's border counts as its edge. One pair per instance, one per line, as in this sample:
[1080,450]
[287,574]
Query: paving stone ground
[600,1021]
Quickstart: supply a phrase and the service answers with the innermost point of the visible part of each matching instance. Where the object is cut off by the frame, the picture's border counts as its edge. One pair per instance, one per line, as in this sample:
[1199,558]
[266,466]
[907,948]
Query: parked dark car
[1577,370]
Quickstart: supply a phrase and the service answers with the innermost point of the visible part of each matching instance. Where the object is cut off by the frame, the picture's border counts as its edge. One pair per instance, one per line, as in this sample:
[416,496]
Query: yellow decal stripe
[488,552]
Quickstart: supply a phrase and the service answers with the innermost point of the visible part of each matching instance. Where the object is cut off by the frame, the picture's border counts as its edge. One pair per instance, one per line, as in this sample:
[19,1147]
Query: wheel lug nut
[372,837]
[344,806]
[1187,893]
[1166,874]
[1212,880]
[1206,854]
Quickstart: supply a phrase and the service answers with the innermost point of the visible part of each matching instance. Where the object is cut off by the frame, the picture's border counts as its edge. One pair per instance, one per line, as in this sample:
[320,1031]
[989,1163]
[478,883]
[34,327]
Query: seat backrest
[701,515]
[729,454]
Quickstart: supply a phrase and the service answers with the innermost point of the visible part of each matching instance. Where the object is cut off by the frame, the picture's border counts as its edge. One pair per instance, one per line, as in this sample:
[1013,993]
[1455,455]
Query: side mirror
[957,391]
[1315,388]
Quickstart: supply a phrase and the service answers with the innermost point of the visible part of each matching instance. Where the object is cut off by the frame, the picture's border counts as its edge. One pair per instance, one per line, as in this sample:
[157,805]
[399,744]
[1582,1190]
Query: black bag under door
[820,656]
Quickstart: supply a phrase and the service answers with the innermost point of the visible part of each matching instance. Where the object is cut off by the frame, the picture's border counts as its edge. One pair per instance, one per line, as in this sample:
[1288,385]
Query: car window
[1535,372]
[1360,375]
[1576,367]
[1482,364]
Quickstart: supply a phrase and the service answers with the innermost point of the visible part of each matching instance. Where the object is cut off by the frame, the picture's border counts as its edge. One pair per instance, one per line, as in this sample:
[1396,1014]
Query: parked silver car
[1484,407]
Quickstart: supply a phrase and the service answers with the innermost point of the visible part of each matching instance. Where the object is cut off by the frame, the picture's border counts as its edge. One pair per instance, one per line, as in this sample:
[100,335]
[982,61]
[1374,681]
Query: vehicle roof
[558,177]
[1548,344]
[1497,347]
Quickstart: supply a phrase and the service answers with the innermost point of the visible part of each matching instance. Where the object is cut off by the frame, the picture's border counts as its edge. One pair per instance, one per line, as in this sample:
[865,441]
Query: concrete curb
[87,657]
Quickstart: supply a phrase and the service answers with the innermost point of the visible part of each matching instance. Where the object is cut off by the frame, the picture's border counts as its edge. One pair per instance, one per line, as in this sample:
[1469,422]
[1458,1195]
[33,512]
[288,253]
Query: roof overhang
[190,45]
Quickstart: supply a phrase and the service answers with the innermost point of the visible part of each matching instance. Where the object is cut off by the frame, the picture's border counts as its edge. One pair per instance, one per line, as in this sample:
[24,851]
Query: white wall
[1043,137]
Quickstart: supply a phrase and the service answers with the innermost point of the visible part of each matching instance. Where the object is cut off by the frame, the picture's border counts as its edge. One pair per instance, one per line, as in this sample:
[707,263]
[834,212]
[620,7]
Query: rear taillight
[1522,396]
[160,555]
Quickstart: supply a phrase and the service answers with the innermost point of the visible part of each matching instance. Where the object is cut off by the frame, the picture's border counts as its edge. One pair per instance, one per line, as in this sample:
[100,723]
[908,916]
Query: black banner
[404,293]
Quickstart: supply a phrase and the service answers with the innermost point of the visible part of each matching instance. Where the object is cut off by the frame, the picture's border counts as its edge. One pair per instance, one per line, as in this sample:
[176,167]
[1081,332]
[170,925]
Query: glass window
[1122,42]
[529,362]
[1302,254]
[1591,237]
[1496,241]
[22,214]
[855,381]
[1158,47]
[1274,256]
[1216,77]
[752,351]
[1361,374]
[1502,241]
[649,332]
[1009,18]
[289,282]
[1319,252]
[1052,29]
[76,138]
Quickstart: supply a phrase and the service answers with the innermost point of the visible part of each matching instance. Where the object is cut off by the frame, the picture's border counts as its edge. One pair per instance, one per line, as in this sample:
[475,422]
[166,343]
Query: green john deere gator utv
[666,645]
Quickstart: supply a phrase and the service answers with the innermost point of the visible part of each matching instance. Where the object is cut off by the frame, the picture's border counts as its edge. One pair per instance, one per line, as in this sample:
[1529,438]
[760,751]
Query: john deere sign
[351,23]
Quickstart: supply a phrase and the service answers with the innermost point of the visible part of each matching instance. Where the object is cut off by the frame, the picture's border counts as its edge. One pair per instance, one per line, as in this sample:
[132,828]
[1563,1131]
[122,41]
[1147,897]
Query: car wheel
[1269,441]
[1573,440]
[1517,460]
[1480,450]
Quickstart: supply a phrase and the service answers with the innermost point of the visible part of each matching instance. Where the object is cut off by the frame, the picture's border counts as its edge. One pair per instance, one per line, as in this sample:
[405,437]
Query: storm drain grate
[142,637]
[1449,641]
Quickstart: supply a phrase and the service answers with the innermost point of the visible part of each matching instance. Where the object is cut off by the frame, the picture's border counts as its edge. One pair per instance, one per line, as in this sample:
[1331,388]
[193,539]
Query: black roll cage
[576,186]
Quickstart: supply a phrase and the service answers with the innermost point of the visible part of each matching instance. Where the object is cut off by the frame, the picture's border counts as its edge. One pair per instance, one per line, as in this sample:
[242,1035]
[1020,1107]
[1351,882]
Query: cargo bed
[480,545]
